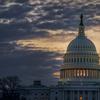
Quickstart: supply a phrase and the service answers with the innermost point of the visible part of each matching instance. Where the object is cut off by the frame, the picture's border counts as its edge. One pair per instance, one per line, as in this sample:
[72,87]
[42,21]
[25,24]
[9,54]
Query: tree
[9,86]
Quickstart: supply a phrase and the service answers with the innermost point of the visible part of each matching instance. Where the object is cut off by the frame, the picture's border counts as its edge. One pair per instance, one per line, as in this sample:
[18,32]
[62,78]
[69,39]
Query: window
[35,94]
[42,94]
[74,73]
[81,98]
[86,98]
[84,59]
[86,92]
[90,59]
[69,59]
[75,92]
[75,98]
[80,59]
[77,72]
[68,92]
[56,98]
[87,73]
[69,73]
[93,98]
[74,59]
[68,98]
[92,74]
[87,60]
[77,59]
[81,73]
[93,95]
[65,74]
[81,92]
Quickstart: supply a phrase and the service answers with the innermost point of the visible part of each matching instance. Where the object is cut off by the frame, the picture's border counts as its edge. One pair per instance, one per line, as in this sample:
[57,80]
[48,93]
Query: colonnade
[79,73]
[80,95]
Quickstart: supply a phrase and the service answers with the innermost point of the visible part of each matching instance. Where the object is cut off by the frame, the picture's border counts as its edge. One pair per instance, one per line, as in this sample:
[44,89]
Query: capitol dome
[81,60]
[81,44]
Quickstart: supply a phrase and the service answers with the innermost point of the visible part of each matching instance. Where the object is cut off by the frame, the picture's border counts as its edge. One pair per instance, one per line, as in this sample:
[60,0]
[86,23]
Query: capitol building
[79,74]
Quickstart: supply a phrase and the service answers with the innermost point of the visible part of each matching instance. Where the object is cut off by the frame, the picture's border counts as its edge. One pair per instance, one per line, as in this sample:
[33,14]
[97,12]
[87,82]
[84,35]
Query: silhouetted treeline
[9,88]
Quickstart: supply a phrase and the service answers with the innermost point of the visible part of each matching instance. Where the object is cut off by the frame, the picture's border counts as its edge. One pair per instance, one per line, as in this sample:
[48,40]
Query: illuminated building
[79,74]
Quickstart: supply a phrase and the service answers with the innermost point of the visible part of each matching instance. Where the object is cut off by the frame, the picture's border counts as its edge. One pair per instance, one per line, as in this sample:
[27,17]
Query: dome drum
[80,73]
[81,59]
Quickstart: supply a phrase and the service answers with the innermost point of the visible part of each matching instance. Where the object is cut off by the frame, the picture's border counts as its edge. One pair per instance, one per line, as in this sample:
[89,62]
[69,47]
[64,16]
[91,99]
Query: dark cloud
[10,1]
[14,11]
[46,14]
[28,65]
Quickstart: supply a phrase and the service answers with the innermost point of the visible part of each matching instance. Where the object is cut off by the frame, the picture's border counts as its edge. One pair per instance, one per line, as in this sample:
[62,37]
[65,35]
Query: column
[83,95]
[89,95]
[63,98]
[90,74]
[67,73]
[64,74]
[71,95]
[78,95]
[61,74]
[74,73]
[98,94]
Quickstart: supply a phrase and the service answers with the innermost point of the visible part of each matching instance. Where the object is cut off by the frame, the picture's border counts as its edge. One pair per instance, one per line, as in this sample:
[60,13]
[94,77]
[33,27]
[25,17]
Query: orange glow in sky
[58,41]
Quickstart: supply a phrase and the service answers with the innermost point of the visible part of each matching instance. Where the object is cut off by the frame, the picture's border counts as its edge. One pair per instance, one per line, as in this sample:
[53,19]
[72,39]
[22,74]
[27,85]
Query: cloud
[5,2]
[29,65]
[20,19]
[35,33]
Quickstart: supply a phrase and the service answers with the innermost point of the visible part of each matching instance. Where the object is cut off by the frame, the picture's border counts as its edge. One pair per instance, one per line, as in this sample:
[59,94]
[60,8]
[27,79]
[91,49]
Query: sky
[34,35]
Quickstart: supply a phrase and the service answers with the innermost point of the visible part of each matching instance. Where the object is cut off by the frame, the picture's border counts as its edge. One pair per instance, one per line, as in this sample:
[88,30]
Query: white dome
[81,44]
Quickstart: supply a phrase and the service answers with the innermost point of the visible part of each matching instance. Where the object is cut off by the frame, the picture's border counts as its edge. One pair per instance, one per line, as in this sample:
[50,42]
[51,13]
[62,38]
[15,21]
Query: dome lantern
[81,26]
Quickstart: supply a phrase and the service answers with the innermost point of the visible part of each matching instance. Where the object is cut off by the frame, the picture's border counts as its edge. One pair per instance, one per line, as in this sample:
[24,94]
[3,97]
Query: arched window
[74,59]
[87,59]
[23,98]
[65,73]
[69,73]
[92,74]
[81,98]
[77,59]
[90,59]
[84,73]
[93,95]
[86,98]
[74,73]
[77,72]
[56,98]
[80,59]
[81,74]
[84,59]
[87,73]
